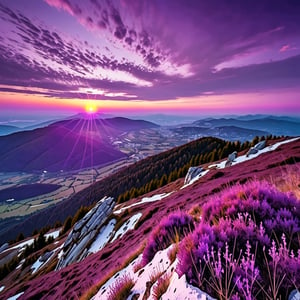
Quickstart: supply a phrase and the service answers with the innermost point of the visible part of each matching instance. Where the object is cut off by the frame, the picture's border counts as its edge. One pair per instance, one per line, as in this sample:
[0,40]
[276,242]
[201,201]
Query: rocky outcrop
[231,158]
[259,146]
[192,173]
[84,232]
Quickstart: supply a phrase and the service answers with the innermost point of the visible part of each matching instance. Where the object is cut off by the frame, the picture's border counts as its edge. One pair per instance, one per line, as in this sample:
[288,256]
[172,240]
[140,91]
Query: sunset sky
[142,56]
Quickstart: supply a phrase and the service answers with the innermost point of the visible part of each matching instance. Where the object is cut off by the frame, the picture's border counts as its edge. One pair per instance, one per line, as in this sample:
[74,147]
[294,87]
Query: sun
[90,108]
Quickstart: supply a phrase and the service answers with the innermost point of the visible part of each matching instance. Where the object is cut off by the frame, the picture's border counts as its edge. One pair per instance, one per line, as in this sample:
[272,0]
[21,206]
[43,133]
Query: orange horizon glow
[252,102]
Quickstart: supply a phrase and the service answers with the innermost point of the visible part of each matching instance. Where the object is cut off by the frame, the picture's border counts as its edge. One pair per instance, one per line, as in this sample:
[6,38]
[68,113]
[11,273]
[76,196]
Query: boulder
[84,232]
[252,150]
[231,158]
[261,145]
[192,173]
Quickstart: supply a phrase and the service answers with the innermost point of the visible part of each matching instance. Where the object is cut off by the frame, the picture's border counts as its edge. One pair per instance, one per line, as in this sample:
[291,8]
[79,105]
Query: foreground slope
[72,281]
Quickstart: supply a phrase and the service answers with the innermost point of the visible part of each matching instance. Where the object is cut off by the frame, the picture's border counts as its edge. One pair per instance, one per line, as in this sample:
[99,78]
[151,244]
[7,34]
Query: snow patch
[15,297]
[180,289]
[20,264]
[128,225]
[243,158]
[38,264]
[160,265]
[54,234]
[144,200]
[103,237]
[195,179]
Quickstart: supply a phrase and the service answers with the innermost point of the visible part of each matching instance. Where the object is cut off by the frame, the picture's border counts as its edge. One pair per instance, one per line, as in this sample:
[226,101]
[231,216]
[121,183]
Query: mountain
[65,145]
[116,254]
[8,129]
[232,133]
[274,125]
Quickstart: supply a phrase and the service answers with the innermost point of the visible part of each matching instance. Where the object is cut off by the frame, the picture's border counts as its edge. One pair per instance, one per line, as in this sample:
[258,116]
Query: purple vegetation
[170,229]
[245,236]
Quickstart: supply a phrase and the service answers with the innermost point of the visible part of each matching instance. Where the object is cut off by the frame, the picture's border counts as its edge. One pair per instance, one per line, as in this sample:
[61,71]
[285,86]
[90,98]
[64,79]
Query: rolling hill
[65,145]
[273,125]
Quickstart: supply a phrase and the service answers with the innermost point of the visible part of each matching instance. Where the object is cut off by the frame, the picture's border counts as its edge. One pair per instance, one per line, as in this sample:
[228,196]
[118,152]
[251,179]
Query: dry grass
[92,291]
[288,181]
[161,286]
[121,289]
[172,253]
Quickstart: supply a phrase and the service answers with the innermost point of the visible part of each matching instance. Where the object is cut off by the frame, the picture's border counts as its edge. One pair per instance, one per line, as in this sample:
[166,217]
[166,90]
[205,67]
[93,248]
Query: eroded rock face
[192,173]
[84,232]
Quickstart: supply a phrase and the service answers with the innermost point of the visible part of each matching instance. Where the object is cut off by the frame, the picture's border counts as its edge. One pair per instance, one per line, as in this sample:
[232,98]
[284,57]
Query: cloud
[150,50]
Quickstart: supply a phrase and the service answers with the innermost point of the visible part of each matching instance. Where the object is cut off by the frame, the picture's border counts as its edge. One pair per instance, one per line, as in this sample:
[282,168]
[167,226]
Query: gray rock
[45,256]
[261,145]
[84,232]
[252,150]
[230,159]
[232,156]
[192,173]
[4,247]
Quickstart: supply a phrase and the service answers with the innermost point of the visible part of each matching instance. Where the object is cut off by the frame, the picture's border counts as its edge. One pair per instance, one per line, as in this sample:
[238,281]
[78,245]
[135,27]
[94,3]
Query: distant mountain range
[8,129]
[66,145]
[274,125]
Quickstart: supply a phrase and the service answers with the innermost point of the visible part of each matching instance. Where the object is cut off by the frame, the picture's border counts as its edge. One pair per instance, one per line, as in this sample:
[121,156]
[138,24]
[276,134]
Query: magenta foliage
[178,223]
[244,230]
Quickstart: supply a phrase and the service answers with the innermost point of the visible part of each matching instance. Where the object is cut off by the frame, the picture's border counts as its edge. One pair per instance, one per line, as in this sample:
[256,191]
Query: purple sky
[151,52]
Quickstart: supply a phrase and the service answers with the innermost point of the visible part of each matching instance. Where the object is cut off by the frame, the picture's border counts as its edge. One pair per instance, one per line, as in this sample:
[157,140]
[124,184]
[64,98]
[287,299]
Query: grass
[161,286]
[121,289]
[92,291]
[289,181]
[172,253]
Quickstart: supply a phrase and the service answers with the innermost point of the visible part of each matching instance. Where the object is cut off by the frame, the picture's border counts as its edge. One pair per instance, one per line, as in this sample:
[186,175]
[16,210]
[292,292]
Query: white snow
[103,237]
[2,288]
[195,179]
[15,297]
[243,158]
[129,225]
[178,289]
[22,245]
[38,205]
[144,200]
[54,234]
[20,264]
[38,264]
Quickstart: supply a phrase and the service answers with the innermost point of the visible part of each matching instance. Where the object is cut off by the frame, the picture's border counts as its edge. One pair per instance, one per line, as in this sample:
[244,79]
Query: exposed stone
[45,256]
[84,232]
[4,247]
[261,145]
[192,173]
[252,150]
[231,158]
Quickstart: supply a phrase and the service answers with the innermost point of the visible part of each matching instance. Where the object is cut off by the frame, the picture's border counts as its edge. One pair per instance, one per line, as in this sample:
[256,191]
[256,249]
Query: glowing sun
[91,108]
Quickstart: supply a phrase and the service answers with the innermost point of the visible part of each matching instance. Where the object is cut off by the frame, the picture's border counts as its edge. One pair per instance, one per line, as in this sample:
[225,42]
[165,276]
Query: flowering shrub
[246,244]
[121,289]
[168,231]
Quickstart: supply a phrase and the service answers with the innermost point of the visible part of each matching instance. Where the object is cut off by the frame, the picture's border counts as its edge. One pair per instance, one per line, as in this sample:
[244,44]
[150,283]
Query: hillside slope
[72,282]
[65,145]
